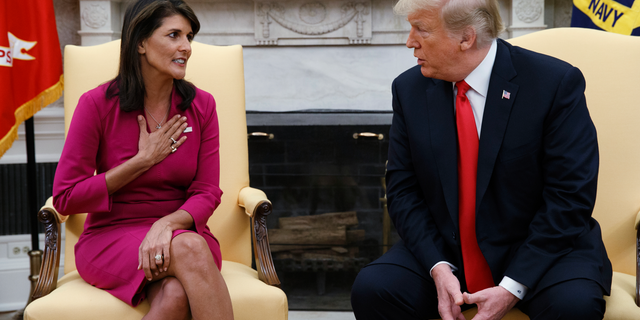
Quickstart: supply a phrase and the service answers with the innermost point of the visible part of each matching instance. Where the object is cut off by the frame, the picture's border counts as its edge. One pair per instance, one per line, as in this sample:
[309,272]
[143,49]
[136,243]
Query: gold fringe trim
[30,108]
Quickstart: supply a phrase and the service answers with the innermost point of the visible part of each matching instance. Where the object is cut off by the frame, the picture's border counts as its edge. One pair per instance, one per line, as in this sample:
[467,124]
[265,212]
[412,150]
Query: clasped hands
[493,303]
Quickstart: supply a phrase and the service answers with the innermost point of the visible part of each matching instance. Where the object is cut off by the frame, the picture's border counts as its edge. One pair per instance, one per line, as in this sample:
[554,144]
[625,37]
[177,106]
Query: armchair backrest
[215,69]
[611,65]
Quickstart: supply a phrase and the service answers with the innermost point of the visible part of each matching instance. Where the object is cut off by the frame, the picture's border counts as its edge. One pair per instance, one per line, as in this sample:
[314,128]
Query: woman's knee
[190,246]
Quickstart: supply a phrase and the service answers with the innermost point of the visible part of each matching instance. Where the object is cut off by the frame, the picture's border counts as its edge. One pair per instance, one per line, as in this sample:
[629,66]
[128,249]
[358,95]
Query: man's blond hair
[482,15]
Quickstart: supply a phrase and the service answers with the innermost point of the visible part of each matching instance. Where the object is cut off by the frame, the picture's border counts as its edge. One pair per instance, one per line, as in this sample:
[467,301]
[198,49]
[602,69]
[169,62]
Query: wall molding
[526,16]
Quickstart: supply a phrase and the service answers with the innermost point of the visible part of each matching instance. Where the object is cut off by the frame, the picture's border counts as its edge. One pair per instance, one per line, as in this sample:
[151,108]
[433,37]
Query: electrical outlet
[19,249]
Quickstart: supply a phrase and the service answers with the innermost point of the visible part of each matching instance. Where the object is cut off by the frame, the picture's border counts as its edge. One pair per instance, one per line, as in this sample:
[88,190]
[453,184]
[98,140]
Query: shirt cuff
[453,268]
[516,288]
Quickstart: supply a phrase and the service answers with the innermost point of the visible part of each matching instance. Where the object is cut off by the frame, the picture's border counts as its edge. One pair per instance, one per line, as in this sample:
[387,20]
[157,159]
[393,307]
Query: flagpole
[35,254]
[32,183]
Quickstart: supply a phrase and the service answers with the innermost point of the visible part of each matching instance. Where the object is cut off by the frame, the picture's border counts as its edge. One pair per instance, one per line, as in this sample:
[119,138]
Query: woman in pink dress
[152,140]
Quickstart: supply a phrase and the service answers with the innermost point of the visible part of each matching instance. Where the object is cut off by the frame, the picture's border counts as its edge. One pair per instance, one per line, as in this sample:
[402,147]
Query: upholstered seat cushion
[621,304]
[75,299]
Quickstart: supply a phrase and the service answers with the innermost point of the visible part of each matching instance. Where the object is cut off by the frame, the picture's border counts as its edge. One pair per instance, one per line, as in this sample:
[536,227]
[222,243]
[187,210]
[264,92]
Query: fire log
[316,236]
[325,220]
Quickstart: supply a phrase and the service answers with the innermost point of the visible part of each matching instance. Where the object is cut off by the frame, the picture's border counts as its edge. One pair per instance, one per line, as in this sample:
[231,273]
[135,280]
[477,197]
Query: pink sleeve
[203,195]
[75,187]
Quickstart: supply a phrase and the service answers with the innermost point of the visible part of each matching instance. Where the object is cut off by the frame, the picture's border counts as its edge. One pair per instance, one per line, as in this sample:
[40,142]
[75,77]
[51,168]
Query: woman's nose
[185,45]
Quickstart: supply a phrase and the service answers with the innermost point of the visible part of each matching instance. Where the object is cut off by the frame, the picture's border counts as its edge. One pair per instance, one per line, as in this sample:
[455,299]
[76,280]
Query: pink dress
[101,137]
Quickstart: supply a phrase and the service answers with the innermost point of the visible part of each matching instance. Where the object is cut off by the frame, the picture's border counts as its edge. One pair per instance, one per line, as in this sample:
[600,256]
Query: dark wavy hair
[141,19]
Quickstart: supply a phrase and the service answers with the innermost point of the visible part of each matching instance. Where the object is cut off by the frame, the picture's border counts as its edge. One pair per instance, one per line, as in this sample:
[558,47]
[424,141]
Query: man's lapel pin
[506,94]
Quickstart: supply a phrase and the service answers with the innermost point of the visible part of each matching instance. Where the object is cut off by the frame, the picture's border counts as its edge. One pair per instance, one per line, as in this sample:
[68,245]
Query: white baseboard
[15,269]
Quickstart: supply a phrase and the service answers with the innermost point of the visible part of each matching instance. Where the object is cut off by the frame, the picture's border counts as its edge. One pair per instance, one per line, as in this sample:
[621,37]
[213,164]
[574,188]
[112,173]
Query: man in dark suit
[492,174]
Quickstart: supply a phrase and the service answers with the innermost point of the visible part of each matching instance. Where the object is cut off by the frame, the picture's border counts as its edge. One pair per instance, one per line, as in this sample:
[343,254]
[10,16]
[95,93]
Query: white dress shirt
[478,80]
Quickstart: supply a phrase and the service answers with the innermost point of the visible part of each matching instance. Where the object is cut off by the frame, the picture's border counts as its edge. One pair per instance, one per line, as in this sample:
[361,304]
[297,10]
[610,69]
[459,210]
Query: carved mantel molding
[296,22]
[313,22]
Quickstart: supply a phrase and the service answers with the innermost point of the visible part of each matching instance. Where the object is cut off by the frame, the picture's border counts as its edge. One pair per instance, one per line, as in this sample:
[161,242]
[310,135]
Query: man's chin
[430,73]
[426,72]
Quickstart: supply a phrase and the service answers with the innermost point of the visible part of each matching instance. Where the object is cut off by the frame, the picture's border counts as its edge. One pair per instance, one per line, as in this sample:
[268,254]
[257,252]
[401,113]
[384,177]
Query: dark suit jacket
[537,173]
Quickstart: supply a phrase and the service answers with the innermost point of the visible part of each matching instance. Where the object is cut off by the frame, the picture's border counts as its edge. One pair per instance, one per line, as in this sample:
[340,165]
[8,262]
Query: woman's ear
[142,47]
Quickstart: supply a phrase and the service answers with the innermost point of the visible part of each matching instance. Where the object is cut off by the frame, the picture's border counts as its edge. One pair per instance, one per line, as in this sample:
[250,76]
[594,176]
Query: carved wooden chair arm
[48,277]
[638,259]
[258,207]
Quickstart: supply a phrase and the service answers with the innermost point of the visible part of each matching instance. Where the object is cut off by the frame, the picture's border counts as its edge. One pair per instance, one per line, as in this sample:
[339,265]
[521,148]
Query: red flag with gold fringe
[30,63]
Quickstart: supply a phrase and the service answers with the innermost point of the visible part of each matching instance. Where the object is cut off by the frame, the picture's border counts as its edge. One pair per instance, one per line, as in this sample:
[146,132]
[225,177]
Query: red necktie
[476,269]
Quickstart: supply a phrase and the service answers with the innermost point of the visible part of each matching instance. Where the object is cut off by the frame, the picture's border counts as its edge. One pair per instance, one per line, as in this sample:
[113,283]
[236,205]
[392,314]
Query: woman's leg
[194,267]
[168,300]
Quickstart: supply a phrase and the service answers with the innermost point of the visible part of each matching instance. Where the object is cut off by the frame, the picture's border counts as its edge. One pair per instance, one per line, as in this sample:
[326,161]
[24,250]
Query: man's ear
[468,39]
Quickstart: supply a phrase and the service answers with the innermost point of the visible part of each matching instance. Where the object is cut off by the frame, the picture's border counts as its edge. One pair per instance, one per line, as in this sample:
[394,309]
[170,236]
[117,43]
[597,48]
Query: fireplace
[326,186]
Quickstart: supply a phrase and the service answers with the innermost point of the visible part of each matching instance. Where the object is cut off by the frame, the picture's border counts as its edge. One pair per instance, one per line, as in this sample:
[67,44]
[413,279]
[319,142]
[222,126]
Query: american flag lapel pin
[506,94]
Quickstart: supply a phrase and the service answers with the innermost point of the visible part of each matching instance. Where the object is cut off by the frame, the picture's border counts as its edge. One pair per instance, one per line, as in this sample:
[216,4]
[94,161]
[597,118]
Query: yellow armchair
[611,65]
[236,223]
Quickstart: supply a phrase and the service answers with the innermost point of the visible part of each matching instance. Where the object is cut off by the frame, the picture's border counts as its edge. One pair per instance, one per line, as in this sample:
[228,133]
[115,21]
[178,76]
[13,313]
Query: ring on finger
[173,149]
[158,258]
[174,140]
